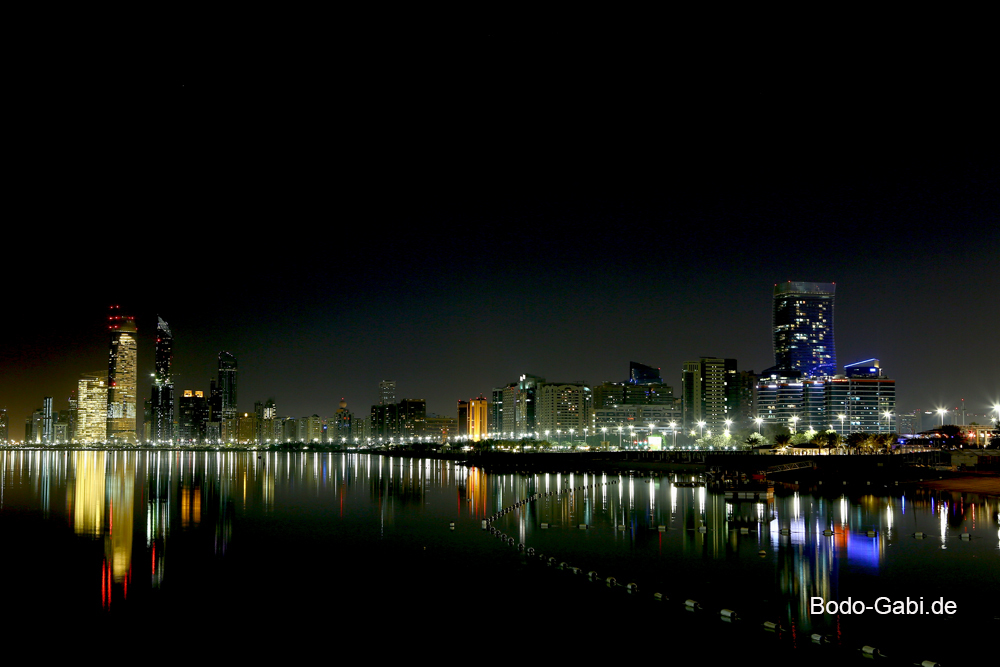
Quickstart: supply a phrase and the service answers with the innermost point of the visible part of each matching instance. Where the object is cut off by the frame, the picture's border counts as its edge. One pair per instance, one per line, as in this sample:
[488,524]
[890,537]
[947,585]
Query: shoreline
[838,472]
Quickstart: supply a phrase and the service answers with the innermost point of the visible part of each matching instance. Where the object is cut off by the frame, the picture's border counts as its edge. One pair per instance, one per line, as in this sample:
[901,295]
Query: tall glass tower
[803,329]
[163,386]
[122,358]
[227,394]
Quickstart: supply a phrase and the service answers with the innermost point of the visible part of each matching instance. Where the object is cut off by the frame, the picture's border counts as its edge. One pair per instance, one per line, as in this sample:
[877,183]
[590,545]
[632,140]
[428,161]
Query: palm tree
[857,440]
[832,438]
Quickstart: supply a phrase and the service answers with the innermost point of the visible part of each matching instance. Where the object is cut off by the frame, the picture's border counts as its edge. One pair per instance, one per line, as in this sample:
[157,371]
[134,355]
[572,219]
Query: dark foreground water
[218,555]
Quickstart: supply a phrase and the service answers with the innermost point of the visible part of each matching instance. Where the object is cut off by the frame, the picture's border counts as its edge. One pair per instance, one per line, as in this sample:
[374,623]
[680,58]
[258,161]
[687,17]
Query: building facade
[122,367]
[862,400]
[711,394]
[226,388]
[564,408]
[92,408]
[802,326]
[162,399]
[479,411]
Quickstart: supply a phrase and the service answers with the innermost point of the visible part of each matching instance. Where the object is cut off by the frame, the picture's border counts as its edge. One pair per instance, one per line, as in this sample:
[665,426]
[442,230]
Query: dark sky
[452,228]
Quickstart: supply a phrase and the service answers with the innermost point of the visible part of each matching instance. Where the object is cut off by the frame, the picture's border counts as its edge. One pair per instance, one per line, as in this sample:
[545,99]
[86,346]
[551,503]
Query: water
[153,548]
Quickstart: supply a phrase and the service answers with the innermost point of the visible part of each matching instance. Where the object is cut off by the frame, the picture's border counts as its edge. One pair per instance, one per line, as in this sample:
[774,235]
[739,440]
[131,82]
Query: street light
[942,412]
[888,416]
[759,420]
[842,418]
[673,428]
[701,429]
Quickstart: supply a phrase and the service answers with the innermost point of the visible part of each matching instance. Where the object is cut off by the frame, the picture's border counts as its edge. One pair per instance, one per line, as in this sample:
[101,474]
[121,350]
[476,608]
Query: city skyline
[455,259]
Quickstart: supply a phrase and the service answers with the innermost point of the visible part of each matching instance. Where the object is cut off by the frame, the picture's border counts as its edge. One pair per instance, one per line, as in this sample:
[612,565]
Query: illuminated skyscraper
[387,392]
[478,418]
[802,322]
[122,358]
[162,403]
[227,394]
[193,414]
[92,408]
[710,393]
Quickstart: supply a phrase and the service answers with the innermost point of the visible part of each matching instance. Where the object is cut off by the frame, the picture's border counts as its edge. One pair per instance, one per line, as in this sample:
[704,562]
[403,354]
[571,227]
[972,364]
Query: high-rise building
[479,411]
[565,407]
[48,422]
[387,392]
[92,408]
[4,426]
[122,367]
[411,414]
[802,324]
[526,406]
[496,411]
[463,417]
[862,400]
[193,413]
[710,394]
[227,395]
[162,400]
[384,422]
[342,424]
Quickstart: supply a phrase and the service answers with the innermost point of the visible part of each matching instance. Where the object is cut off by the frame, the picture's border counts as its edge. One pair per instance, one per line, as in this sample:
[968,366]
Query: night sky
[451,232]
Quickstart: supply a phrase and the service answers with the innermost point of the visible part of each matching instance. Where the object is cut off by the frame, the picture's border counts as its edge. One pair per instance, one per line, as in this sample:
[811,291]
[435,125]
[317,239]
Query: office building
[48,422]
[525,405]
[802,326]
[227,395]
[411,414]
[387,392]
[4,426]
[384,422]
[862,400]
[92,408]
[122,367]
[864,397]
[192,416]
[162,399]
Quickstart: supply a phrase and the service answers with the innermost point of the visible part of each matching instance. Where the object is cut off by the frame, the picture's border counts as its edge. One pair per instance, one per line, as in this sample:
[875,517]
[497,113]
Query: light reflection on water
[161,519]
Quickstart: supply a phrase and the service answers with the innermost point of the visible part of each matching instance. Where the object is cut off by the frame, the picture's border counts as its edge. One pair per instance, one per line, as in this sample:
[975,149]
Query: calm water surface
[174,542]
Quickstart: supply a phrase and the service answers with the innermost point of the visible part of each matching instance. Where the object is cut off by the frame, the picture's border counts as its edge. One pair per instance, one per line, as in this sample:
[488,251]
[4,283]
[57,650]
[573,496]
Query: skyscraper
[122,358]
[162,403]
[710,393]
[387,392]
[47,421]
[478,418]
[92,408]
[802,323]
[227,395]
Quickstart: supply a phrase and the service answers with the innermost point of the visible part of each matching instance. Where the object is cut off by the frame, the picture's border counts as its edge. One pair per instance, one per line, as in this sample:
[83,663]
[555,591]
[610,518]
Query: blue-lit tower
[803,329]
